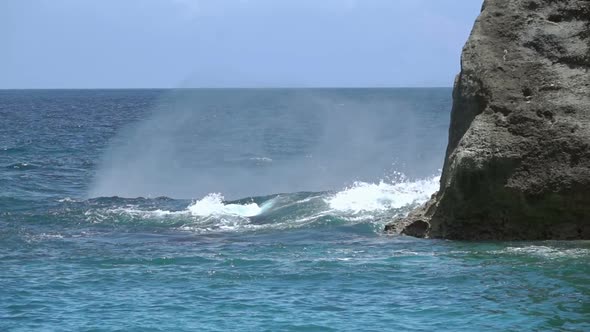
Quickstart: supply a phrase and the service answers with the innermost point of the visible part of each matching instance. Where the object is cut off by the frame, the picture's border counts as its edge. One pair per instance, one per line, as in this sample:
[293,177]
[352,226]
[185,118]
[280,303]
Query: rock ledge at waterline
[517,165]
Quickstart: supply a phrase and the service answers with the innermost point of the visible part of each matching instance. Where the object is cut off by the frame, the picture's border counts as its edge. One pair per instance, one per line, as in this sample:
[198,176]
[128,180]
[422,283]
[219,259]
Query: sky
[232,43]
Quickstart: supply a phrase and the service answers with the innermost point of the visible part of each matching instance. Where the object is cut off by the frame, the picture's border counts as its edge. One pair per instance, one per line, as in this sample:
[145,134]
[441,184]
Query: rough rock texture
[518,159]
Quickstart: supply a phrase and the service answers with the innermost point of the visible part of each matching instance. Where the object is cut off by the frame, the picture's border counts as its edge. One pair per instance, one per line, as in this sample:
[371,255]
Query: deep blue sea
[251,210]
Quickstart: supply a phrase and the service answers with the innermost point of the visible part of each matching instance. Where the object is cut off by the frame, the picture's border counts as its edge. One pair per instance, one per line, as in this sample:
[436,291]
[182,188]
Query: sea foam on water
[362,196]
[213,204]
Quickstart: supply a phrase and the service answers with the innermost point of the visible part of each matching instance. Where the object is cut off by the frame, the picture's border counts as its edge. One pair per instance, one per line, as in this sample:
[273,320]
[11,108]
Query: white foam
[212,205]
[262,159]
[362,196]
[359,203]
[547,252]
[67,200]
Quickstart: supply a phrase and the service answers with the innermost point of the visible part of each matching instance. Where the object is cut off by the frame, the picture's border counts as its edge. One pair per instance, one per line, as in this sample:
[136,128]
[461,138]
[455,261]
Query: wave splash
[213,204]
[368,204]
[361,197]
[366,197]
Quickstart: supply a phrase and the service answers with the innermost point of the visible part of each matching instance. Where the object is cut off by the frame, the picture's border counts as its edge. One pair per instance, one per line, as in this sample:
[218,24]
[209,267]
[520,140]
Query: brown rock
[517,164]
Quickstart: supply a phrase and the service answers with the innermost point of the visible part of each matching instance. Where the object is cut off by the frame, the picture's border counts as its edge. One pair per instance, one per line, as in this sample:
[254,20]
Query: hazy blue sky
[217,43]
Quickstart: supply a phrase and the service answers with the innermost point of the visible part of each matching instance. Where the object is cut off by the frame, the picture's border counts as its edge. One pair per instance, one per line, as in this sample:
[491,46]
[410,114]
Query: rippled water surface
[250,210]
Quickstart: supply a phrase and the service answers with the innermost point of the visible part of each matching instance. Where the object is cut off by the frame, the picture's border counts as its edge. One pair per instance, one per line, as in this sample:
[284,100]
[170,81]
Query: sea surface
[251,210]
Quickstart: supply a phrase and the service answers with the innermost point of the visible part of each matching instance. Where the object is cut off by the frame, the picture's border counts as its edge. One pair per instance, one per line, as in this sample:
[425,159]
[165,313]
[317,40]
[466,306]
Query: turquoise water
[251,210]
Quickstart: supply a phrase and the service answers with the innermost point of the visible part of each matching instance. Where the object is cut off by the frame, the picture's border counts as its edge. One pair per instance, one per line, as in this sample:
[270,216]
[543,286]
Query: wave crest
[364,197]
[213,204]
[366,206]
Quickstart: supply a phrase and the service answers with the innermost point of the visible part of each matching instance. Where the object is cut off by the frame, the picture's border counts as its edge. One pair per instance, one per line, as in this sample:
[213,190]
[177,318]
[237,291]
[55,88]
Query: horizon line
[240,88]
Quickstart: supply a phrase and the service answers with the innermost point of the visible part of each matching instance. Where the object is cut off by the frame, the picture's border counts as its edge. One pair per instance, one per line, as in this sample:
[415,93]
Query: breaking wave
[213,204]
[383,196]
[371,204]
[366,206]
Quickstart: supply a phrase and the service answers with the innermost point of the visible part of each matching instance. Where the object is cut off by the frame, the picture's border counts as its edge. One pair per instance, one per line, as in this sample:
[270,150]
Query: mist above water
[249,142]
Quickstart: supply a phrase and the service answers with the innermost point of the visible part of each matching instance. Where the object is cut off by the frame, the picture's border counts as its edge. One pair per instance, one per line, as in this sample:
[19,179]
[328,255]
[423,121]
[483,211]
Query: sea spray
[213,204]
[370,204]
[258,142]
[381,196]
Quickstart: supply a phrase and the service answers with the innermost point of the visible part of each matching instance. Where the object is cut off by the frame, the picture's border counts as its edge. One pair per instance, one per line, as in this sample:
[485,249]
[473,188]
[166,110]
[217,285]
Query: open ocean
[251,210]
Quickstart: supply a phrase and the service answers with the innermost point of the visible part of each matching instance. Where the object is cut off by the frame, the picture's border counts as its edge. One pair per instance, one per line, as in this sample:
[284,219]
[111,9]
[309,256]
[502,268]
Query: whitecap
[363,197]
[546,252]
[213,204]
[262,159]
[67,200]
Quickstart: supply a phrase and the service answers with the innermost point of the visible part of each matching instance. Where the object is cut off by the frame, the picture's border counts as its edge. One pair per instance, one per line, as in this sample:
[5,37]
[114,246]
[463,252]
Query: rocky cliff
[517,164]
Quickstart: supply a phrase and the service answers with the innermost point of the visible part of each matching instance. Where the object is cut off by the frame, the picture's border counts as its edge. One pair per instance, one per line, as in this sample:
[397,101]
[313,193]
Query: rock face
[517,164]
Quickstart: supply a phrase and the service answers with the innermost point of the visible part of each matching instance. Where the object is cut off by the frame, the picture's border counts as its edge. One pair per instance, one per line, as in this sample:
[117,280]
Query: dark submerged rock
[517,164]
